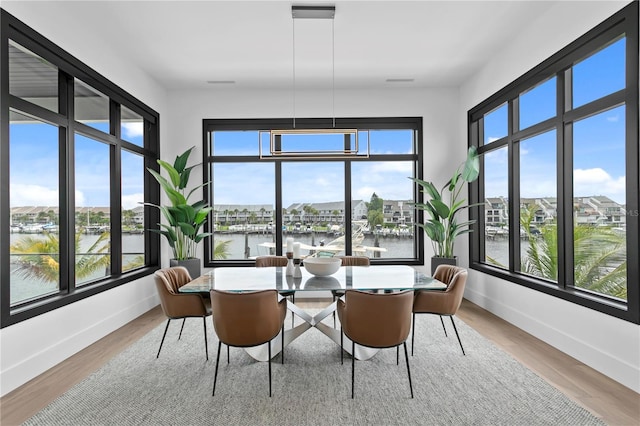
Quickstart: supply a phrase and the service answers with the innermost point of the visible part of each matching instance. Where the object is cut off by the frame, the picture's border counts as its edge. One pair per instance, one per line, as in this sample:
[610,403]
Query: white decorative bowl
[322,266]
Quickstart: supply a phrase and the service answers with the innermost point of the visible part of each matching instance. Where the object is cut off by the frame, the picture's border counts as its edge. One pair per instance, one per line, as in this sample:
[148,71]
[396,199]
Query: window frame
[624,22]
[69,68]
[389,123]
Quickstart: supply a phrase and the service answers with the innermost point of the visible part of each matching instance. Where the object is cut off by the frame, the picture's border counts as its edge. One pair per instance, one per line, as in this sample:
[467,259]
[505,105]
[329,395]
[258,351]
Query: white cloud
[32,195]
[492,139]
[133,129]
[613,118]
[597,181]
[37,195]
[132,201]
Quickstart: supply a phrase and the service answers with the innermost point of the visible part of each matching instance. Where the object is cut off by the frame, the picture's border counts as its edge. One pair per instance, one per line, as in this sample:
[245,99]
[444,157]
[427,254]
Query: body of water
[396,247]
[25,288]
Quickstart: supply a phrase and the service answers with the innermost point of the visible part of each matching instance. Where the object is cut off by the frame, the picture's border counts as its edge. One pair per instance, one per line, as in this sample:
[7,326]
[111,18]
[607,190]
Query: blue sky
[310,181]
[599,167]
[34,146]
[598,157]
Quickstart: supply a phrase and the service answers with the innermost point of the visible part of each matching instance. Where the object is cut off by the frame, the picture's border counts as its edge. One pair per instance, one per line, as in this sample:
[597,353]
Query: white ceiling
[184,44]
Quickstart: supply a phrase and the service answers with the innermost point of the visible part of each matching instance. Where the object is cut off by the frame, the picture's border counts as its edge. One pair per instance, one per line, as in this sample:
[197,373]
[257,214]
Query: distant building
[592,210]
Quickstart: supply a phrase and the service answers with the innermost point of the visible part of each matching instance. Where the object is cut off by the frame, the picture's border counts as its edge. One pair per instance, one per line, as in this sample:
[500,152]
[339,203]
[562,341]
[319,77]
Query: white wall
[31,347]
[438,108]
[607,344]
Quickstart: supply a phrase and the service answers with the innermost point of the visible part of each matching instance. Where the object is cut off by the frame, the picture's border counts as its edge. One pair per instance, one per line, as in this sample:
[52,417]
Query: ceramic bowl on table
[322,266]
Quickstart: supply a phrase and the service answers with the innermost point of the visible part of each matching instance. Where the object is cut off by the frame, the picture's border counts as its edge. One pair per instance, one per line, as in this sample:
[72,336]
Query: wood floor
[605,398]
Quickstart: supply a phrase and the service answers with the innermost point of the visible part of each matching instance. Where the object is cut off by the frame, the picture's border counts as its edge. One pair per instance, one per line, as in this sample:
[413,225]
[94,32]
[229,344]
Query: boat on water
[337,245]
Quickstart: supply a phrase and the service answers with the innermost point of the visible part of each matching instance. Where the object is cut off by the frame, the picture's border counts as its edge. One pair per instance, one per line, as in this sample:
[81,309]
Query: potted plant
[184,219]
[443,206]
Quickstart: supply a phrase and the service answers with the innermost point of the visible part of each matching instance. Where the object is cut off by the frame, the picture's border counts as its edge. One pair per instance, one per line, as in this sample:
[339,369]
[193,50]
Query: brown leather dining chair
[180,305]
[270,261]
[443,303]
[376,320]
[246,319]
[348,261]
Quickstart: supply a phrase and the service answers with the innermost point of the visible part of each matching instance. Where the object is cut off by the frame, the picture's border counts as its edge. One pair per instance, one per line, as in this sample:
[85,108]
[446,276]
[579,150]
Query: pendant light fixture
[289,143]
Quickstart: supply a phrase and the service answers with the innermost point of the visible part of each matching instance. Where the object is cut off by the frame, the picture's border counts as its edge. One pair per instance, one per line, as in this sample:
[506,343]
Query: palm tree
[599,256]
[221,249]
[40,257]
[334,215]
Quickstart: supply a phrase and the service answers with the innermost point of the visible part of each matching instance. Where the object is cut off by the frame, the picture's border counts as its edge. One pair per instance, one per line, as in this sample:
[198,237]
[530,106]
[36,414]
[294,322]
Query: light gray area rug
[485,387]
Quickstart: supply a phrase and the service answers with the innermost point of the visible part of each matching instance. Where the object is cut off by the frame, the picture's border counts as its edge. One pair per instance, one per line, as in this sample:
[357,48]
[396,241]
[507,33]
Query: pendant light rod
[315,12]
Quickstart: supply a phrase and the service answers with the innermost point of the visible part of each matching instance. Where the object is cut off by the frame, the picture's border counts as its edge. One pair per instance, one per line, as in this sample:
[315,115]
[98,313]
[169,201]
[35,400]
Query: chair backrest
[445,273]
[377,320]
[355,260]
[173,278]
[175,305]
[247,318]
[456,278]
[267,261]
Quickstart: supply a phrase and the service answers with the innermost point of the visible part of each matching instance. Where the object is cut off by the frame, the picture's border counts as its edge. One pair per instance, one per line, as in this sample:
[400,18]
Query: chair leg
[282,344]
[398,355]
[333,299]
[269,346]
[206,347]
[406,356]
[163,336]
[227,354]
[215,376]
[353,366]
[457,335]
[341,347]
[293,316]
[443,327]
[413,332]
[181,328]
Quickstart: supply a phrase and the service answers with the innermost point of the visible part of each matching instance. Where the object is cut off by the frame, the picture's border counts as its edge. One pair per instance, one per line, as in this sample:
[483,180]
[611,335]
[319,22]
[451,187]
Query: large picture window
[73,161]
[559,180]
[332,202]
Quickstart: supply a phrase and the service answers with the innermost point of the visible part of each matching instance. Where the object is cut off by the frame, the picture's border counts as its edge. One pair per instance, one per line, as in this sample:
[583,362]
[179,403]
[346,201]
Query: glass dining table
[367,278]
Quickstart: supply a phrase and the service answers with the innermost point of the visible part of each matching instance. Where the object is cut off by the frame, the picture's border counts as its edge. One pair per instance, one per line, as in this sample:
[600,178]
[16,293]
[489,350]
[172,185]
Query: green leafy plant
[184,219]
[443,206]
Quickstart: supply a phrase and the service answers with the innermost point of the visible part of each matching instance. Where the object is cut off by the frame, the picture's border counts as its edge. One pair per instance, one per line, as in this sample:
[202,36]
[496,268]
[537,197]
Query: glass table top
[376,277]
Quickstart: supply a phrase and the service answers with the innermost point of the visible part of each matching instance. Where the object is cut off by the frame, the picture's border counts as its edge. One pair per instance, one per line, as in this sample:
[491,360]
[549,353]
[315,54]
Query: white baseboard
[596,358]
[34,364]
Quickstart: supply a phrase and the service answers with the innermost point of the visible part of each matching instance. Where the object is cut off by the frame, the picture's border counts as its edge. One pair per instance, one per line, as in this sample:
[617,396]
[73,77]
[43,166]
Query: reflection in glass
[313,203]
[496,183]
[538,104]
[538,204]
[132,210]
[600,74]
[243,210]
[381,197]
[599,200]
[91,107]
[34,248]
[93,236]
[32,78]
[131,126]
[495,124]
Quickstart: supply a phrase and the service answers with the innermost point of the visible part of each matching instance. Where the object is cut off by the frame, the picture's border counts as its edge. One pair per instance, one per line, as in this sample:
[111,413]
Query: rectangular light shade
[313,143]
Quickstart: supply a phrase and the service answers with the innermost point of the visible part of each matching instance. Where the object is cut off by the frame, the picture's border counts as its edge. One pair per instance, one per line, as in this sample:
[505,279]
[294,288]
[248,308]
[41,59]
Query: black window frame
[624,22]
[69,68]
[266,124]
